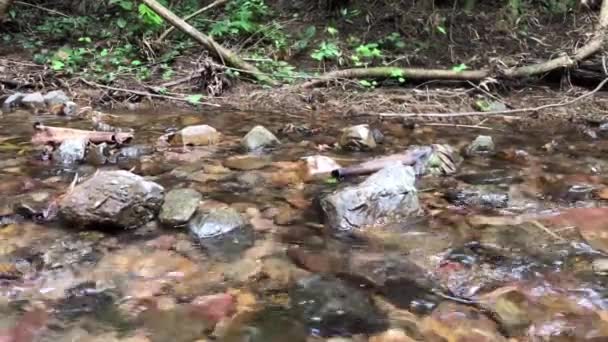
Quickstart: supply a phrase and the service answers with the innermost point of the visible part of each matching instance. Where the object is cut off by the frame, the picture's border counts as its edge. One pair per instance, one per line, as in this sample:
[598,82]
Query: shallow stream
[532,270]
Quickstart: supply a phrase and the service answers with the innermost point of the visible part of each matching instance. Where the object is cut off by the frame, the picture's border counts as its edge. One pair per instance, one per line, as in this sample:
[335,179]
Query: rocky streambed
[229,226]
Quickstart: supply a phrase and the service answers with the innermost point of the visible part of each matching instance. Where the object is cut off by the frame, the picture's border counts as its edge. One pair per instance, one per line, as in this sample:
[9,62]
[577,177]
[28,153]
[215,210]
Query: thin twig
[460,126]
[195,74]
[508,111]
[42,8]
[144,93]
[546,230]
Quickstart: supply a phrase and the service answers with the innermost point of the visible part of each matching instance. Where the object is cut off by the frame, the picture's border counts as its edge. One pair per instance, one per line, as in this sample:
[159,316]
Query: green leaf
[332,31]
[460,67]
[84,39]
[57,65]
[441,29]
[396,73]
[365,83]
[136,63]
[121,22]
[194,99]
[331,181]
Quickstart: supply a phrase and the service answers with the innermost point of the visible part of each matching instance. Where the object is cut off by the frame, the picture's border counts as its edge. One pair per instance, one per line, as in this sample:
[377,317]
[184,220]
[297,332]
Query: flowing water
[459,272]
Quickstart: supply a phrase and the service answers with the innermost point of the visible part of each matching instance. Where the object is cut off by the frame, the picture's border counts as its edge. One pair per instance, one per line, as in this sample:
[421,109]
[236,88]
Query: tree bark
[226,55]
[4,6]
[407,73]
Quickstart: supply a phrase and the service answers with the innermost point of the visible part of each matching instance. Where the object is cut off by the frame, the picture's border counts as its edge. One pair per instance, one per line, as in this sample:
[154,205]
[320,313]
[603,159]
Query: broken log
[44,135]
[411,157]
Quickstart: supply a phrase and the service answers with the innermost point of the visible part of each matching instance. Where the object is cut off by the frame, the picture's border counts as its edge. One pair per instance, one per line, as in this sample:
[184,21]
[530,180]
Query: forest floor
[431,37]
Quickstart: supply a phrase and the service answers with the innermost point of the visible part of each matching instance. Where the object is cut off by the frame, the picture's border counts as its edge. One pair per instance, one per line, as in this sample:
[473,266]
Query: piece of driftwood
[56,135]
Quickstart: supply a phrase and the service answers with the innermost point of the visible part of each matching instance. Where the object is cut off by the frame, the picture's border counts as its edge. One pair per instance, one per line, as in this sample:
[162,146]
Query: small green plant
[393,41]
[326,51]
[245,17]
[366,53]
[194,99]
[368,84]
[398,74]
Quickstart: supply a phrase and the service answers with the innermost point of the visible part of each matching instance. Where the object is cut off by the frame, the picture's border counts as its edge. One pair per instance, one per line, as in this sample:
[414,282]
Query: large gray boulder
[179,206]
[385,196]
[112,199]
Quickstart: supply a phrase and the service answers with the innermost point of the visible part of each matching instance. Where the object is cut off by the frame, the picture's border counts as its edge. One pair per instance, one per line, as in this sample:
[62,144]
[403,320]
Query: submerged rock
[222,232]
[179,206]
[33,101]
[247,162]
[483,144]
[384,196]
[474,198]
[198,135]
[112,198]
[70,151]
[55,97]
[457,322]
[332,307]
[359,137]
[259,137]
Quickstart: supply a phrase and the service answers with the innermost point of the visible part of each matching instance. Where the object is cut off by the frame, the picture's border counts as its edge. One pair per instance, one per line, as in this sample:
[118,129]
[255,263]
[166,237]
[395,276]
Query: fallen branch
[56,135]
[226,55]
[190,16]
[408,73]
[498,112]
[144,93]
[595,45]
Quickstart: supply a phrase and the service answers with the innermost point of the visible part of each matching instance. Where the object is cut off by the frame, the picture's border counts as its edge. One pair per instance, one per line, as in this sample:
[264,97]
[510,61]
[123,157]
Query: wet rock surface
[112,198]
[70,151]
[258,138]
[331,307]
[179,206]
[221,232]
[199,135]
[382,197]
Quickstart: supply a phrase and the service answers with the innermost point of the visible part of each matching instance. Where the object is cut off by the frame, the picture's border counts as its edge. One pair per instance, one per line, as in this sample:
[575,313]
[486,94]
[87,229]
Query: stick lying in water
[413,157]
[56,135]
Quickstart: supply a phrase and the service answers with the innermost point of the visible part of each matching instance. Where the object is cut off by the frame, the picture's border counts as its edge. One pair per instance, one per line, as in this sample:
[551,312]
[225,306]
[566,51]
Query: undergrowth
[120,38]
